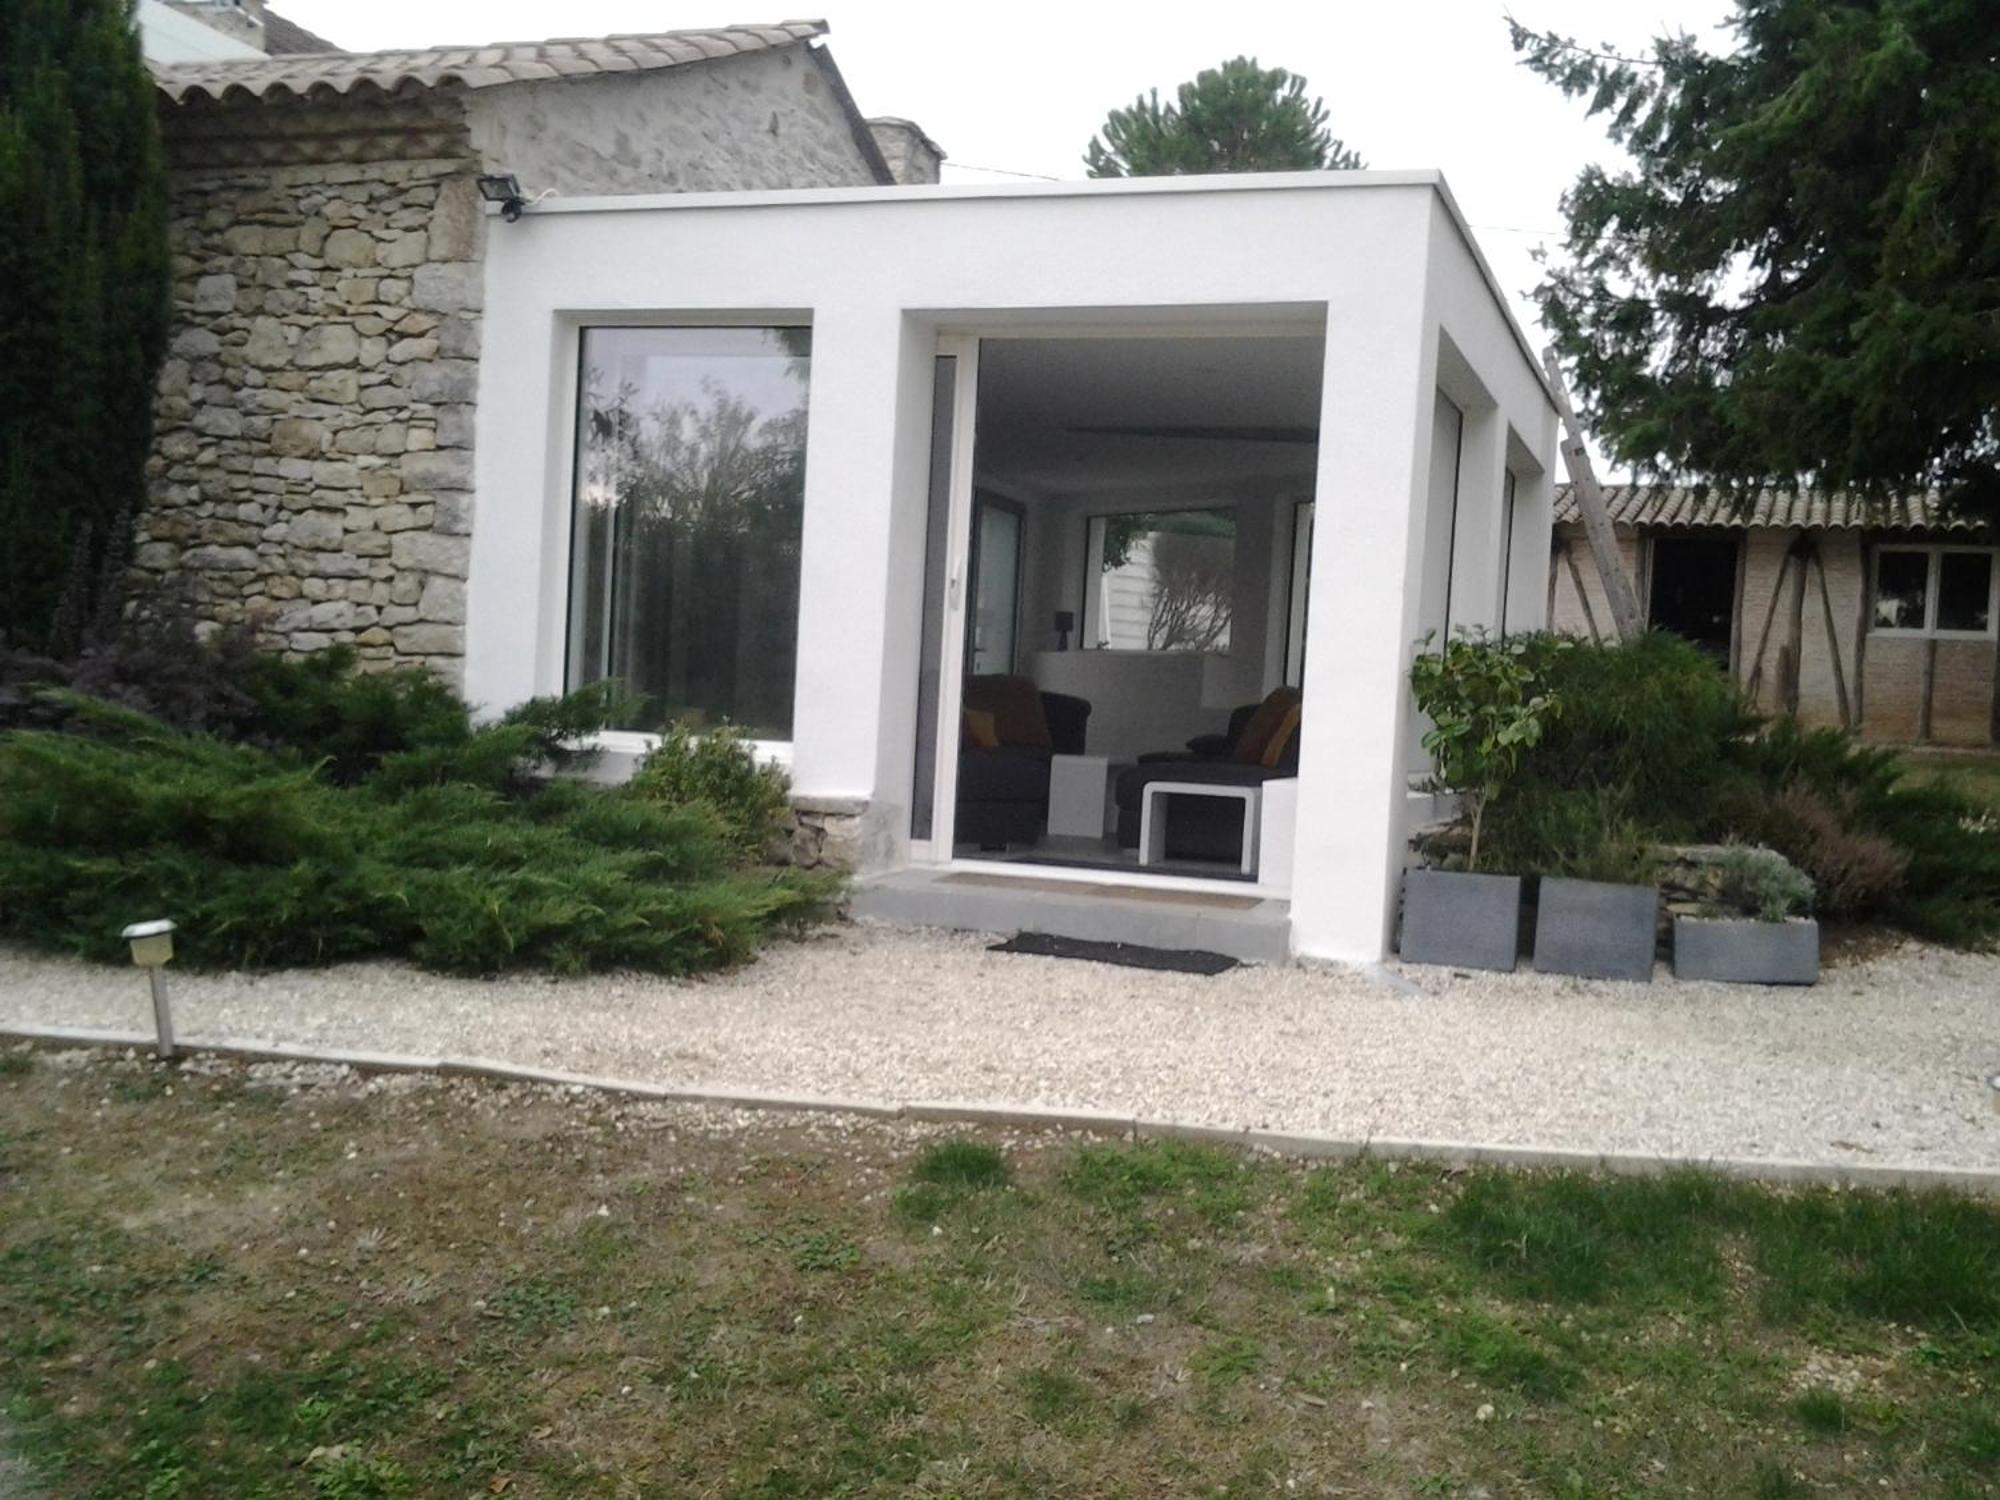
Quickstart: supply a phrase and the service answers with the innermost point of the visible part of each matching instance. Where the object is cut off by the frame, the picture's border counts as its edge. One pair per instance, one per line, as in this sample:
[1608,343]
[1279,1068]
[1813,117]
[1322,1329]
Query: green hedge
[415,835]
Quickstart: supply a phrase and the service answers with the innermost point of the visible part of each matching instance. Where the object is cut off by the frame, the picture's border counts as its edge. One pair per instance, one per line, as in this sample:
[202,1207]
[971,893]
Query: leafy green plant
[446,854]
[1765,884]
[716,769]
[1487,709]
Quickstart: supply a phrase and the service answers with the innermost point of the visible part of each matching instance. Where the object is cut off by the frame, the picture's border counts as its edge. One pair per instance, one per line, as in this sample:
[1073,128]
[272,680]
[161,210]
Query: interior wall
[1145,701]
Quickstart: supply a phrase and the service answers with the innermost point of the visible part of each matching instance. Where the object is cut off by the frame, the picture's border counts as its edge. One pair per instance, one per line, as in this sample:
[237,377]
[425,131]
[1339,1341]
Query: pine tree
[1235,118]
[83,293]
[1797,283]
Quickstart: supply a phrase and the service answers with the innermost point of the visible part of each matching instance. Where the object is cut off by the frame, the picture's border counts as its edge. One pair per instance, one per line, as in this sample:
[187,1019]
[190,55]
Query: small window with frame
[1935,591]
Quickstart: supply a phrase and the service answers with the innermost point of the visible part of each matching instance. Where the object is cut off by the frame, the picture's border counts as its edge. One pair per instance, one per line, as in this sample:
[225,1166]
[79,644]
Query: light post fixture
[152,946]
[503,188]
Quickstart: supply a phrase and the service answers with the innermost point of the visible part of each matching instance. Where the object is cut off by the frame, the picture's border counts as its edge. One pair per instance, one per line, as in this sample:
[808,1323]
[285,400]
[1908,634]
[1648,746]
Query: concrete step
[1245,927]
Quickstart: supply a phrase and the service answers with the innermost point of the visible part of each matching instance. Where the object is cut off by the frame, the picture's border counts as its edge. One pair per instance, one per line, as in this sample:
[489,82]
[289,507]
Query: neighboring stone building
[1881,622]
[313,456]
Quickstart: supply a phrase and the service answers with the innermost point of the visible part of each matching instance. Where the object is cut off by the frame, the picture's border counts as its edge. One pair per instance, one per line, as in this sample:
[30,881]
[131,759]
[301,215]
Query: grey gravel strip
[1885,1061]
[1086,1122]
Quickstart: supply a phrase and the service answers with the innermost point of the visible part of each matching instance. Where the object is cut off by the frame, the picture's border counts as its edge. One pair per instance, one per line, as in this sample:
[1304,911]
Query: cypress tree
[83,295]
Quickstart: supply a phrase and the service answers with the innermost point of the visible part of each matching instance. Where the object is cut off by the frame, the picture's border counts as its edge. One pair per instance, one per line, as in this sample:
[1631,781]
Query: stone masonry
[313,456]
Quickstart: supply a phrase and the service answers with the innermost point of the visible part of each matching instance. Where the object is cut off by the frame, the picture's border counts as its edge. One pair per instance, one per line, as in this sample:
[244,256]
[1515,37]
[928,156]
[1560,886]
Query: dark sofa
[1207,828]
[1003,790]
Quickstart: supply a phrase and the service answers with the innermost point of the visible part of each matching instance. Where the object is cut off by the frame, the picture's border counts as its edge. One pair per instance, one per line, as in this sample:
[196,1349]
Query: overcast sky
[1021,86]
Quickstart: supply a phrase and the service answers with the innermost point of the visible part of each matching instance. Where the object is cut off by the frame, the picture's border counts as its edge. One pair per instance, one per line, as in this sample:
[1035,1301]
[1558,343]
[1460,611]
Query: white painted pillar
[1363,617]
[848,559]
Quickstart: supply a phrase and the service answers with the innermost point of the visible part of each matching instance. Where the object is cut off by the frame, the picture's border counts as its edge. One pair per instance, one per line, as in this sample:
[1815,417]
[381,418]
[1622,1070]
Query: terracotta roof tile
[1674,506]
[469,67]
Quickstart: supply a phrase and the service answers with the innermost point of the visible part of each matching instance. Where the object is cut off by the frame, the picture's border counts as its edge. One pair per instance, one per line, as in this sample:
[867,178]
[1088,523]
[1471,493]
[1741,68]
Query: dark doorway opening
[1693,591]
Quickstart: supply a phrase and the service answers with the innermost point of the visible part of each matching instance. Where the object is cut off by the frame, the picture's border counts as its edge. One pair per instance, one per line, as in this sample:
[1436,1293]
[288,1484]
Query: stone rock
[431,553]
[335,387]
[448,288]
[349,247]
[219,421]
[220,559]
[316,530]
[443,601]
[404,350]
[329,344]
[297,437]
[332,474]
[456,221]
[446,381]
[268,347]
[214,294]
[404,251]
[430,640]
[448,470]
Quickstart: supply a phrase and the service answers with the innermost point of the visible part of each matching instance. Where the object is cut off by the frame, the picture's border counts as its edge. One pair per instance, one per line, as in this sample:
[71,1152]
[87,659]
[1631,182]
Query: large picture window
[1161,581]
[1947,591]
[689,494]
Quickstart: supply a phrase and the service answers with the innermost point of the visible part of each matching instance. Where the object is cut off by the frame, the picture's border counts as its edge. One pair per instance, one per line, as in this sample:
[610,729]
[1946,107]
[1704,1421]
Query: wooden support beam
[1832,641]
[1764,636]
[1618,591]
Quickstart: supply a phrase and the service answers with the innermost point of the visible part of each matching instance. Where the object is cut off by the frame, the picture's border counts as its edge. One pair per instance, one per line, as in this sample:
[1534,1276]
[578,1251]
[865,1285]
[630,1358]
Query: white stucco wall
[1378,258]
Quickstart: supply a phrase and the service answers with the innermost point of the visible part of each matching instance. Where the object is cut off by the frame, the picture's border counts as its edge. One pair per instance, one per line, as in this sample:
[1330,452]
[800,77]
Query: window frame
[1934,554]
[1092,570]
[560,519]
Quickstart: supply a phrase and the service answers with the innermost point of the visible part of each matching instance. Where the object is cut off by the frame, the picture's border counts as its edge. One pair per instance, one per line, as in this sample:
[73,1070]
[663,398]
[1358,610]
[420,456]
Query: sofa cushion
[1280,744]
[982,731]
[1263,724]
[1016,706]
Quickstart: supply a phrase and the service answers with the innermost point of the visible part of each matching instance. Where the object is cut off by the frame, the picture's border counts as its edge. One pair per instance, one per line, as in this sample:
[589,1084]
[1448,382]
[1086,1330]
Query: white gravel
[1884,1062]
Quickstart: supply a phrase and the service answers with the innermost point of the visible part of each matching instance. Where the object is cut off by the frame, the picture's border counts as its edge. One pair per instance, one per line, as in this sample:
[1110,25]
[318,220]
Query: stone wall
[312,465]
[768,120]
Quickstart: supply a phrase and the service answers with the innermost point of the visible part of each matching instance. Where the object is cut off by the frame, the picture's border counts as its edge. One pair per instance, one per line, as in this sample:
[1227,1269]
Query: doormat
[1127,955]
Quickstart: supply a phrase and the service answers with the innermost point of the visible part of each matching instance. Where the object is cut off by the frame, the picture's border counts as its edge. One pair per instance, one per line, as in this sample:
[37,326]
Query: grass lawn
[214,1285]
[1977,776]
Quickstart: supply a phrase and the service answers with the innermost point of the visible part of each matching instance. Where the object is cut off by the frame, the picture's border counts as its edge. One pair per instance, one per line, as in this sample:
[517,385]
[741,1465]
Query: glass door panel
[996,586]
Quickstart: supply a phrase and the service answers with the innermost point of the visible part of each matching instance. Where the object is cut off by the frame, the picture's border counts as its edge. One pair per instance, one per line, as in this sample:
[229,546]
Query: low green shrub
[715,769]
[1655,745]
[1764,884]
[445,854]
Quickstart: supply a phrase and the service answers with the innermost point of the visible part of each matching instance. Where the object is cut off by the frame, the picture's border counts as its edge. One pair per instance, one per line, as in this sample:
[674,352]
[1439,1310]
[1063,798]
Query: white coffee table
[1153,817]
[1076,795]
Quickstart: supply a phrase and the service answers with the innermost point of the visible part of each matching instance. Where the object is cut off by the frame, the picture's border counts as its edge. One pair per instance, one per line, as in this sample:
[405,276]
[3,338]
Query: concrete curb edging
[1079,1121]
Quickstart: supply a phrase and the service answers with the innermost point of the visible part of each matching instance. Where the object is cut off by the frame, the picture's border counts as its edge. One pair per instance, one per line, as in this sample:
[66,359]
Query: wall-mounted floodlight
[152,948]
[503,188]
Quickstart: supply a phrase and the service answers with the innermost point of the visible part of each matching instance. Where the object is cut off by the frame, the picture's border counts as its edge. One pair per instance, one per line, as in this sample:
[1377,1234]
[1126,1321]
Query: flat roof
[1100,187]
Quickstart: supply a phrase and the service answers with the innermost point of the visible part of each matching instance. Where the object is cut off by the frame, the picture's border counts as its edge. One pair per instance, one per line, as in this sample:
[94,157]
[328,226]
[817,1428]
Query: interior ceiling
[1198,400]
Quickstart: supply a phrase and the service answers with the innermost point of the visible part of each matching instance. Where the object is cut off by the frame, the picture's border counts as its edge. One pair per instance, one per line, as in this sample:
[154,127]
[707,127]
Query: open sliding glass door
[947,554]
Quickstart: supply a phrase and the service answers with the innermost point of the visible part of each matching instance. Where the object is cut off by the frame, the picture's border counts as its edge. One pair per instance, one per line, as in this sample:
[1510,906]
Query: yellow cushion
[982,729]
[1263,724]
[1281,737]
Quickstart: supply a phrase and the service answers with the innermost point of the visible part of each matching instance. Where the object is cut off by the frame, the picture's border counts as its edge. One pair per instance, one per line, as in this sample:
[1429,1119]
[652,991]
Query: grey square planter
[1466,921]
[1746,951]
[1596,930]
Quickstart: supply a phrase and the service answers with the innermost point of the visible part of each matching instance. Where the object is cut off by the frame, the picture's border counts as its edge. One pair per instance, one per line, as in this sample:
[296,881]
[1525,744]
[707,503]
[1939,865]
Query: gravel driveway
[1884,1062]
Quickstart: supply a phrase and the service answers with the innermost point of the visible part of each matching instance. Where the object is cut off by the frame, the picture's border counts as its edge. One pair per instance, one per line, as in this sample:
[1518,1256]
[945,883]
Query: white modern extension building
[866,472]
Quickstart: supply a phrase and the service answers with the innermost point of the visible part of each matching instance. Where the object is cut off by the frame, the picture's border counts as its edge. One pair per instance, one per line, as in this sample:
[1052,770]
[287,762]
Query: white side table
[1276,816]
[1076,795]
[1153,817]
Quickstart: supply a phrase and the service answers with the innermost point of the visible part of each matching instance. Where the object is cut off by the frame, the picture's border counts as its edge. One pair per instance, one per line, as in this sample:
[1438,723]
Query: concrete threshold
[1255,929]
[1304,1146]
